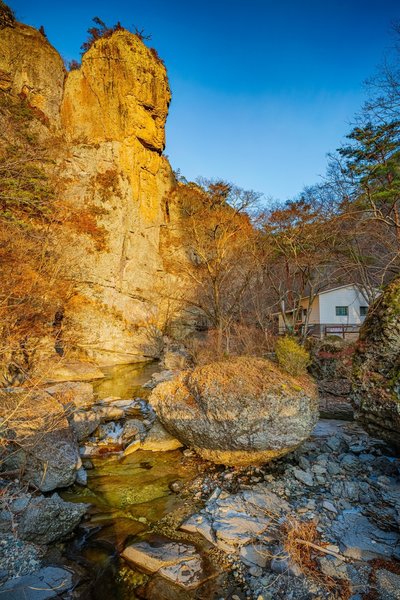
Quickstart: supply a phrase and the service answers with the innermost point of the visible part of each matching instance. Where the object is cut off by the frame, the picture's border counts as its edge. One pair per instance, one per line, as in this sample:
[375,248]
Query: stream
[127,495]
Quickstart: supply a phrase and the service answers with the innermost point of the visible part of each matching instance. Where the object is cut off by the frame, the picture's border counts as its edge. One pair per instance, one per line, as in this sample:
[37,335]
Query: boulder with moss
[238,412]
[376,368]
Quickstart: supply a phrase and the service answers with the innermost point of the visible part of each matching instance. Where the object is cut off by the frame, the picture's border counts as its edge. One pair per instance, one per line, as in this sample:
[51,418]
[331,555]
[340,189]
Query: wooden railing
[322,330]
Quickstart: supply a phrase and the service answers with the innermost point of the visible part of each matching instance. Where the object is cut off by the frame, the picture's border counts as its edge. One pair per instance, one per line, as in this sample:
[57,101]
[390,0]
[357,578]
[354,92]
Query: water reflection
[125,381]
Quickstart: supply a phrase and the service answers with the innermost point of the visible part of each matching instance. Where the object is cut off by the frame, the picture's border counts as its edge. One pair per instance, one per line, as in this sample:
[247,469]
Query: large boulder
[37,440]
[46,520]
[376,368]
[239,411]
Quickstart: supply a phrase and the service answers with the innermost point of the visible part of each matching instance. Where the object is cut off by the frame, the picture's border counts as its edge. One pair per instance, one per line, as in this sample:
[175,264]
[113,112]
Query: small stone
[357,448]
[304,476]
[333,468]
[349,462]
[329,506]
[304,463]
[255,555]
[388,584]
[335,443]
[81,477]
[176,486]
[285,565]
[189,453]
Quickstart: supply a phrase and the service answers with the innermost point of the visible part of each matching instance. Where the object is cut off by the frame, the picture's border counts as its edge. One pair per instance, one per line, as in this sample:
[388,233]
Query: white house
[334,311]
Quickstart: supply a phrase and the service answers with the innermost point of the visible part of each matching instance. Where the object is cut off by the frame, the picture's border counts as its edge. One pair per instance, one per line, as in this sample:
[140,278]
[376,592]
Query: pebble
[329,506]
[304,476]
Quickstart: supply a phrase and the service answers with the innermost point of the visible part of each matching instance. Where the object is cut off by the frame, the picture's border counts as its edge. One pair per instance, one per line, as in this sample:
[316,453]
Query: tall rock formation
[106,122]
[113,116]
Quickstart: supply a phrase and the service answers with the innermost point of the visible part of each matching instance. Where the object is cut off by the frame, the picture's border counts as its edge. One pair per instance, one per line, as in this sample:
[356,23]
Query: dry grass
[302,542]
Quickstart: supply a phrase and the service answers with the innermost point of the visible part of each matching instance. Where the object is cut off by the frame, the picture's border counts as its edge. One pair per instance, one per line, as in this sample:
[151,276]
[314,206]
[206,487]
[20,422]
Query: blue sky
[261,90]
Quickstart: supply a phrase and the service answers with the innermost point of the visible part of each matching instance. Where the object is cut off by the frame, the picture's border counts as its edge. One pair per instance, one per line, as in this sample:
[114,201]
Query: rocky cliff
[376,367]
[105,121]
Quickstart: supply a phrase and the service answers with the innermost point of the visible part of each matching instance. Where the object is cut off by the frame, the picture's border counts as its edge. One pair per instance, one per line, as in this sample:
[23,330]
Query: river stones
[238,412]
[232,522]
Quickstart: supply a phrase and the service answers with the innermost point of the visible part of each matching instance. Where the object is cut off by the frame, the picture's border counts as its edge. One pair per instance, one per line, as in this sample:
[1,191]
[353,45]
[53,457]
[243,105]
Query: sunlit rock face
[241,411]
[105,123]
[31,68]
[113,115]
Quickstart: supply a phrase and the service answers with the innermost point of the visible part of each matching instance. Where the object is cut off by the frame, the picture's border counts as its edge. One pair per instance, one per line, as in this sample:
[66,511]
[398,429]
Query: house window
[342,311]
[363,311]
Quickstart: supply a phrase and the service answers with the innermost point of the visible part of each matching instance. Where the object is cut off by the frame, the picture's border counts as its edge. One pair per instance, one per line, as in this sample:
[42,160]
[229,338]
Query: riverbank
[321,522]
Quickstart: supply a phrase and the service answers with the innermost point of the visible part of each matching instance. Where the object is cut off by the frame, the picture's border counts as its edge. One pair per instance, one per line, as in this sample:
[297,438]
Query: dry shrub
[297,535]
[291,357]
[238,340]
[86,221]
[302,543]
[7,17]
[26,418]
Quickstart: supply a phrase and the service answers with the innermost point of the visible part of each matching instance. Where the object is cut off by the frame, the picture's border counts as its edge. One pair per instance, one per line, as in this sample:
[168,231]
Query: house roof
[332,289]
[338,287]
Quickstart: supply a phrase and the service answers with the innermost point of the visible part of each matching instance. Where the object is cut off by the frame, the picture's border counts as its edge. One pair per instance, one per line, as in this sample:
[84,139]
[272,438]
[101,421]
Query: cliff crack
[149,146]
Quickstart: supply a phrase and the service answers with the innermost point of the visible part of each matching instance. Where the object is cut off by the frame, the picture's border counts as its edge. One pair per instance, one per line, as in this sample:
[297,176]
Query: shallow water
[127,495]
[125,381]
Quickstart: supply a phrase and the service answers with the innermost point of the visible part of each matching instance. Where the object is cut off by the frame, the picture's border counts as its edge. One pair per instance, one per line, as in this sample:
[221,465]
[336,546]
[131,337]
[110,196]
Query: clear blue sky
[262,90]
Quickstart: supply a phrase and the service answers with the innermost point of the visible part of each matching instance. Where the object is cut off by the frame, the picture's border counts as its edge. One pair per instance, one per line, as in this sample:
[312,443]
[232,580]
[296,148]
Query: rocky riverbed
[162,524]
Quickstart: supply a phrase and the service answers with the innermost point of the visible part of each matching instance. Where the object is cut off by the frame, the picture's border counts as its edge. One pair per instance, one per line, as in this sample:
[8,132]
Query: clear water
[127,495]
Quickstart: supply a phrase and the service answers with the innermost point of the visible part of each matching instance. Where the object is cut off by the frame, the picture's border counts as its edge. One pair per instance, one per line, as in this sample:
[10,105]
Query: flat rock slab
[359,538]
[108,413]
[159,440]
[153,557]
[73,370]
[199,524]
[47,583]
[188,573]
[231,522]
[265,500]
[180,563]
[77,393]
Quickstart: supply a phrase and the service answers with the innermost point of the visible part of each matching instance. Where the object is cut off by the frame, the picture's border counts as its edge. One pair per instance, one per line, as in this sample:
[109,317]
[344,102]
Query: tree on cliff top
[101,31]
[98,31]
[7,17]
